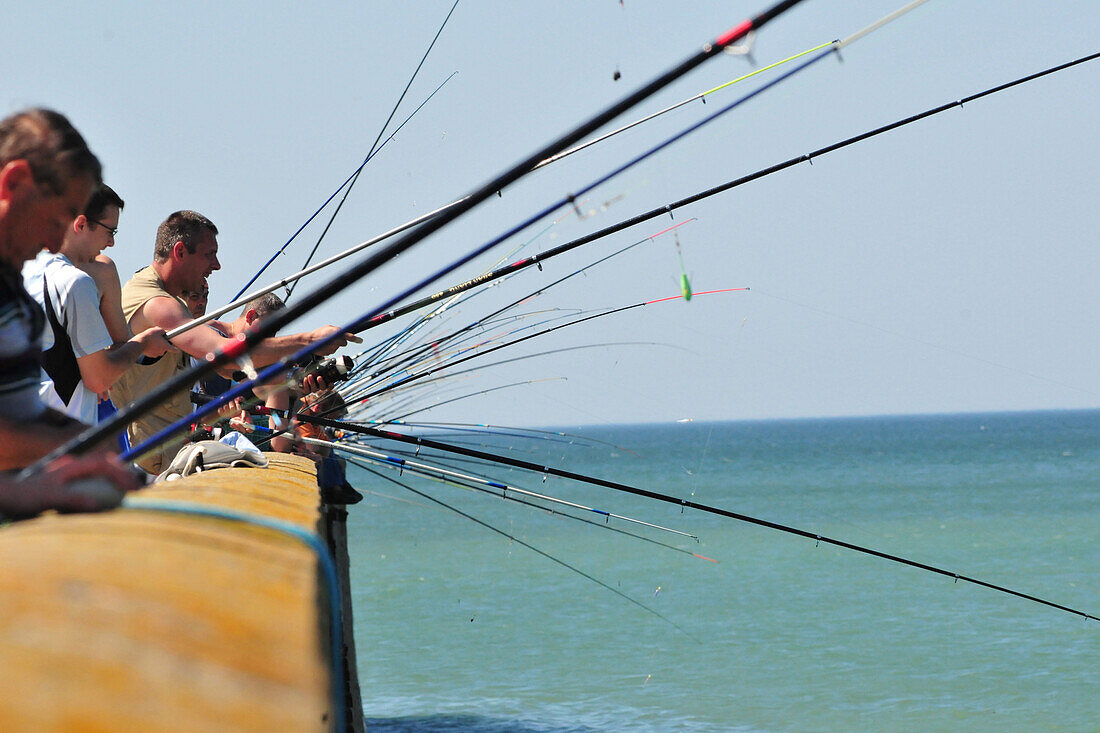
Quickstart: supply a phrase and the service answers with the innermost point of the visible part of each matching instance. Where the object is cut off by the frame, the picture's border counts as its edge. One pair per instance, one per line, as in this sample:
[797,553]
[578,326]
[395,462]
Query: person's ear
[16,177]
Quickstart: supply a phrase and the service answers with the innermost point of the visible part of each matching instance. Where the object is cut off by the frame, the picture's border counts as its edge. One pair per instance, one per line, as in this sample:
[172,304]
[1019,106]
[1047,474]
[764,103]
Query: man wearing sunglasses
[80,360]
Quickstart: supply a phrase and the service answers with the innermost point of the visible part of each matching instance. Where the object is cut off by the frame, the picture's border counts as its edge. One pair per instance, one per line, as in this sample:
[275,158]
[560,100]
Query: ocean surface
[460,628]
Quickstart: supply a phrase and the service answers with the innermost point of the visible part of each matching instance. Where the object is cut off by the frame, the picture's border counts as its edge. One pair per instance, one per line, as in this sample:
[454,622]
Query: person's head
[327,404]
[94,230]
[46,175]
[187,243]
[197,300]
[258,308]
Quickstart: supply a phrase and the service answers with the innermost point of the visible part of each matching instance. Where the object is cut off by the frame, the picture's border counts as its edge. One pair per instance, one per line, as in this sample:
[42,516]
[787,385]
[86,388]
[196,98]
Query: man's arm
[100,360]
[103,271]
[101,369]
[90,483]
[22,442]
[200,341]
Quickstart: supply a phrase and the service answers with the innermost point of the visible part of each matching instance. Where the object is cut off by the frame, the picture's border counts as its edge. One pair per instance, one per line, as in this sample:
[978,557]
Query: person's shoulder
[68,279]
[163,309]
[145,276]
[34,268]
[100,267]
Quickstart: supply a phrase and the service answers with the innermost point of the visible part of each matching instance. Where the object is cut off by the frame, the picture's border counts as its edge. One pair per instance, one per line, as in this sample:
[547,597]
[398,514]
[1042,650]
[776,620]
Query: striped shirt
[21,324]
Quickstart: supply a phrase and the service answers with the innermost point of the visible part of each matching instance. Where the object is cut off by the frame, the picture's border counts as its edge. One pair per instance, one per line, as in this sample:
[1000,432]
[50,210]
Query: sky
[948,266]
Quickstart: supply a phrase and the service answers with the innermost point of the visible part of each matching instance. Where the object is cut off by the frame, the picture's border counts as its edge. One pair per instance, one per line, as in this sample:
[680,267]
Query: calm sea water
[462,629]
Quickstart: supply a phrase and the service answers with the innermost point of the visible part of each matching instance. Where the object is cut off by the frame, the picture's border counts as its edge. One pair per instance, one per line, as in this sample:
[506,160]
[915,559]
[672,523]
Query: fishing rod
[529,546]
[273,323]
[238,299]
[355,178]
[484,431]
[687,503]
[721,188]
[426,469]
[759,174]
[355,400]
[488,429]
[603,526]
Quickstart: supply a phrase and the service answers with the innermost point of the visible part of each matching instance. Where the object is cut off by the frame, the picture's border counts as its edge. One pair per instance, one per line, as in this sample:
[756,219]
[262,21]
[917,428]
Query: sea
[475,613]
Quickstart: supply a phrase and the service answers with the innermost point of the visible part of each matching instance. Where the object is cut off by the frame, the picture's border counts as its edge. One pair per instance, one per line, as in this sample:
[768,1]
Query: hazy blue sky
[948,266]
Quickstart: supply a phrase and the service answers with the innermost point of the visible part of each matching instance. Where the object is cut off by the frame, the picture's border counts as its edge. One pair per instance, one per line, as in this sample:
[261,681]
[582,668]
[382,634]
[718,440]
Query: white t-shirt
[75,300]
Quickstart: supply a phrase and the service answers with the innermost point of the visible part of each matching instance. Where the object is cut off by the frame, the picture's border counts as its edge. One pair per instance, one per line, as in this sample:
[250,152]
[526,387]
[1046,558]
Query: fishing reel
[332,370]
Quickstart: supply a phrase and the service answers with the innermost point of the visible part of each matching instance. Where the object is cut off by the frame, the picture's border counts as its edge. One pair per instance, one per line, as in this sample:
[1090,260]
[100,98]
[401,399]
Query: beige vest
[140,379]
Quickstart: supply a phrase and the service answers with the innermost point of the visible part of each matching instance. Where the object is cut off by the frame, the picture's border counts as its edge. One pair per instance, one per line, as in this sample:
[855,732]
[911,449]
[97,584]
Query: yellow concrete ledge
[138,621]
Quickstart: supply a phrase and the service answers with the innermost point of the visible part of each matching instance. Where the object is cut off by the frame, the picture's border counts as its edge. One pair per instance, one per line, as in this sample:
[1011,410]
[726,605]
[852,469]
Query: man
[46,176]
[79,358]
[184,256]
[316,399]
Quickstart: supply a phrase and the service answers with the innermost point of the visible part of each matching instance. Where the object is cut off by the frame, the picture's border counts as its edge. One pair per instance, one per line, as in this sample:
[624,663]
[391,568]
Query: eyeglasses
[110,231]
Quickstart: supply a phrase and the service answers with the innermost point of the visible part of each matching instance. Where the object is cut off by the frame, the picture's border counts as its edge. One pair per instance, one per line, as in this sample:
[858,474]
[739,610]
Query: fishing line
[414,363]
[702,95]
[529,546]
[544,288]
[271,325]
[556,282]
[393,341]
[428,351]
[355,178]
[578,321]
[384,391]
[238,299]
[476,394]
[402,336]
[686,503]
[685,283]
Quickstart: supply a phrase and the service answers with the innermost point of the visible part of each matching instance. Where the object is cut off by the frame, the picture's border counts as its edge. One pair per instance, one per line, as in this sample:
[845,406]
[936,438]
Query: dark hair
[102,197]
[267,303]
[181,226]
[51,146]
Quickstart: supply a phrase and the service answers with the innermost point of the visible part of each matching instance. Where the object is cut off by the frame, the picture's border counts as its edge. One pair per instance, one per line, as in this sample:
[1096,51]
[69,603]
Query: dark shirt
[21,325]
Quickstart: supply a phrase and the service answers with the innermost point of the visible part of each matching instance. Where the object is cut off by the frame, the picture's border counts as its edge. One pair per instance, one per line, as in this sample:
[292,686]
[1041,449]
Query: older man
[184,256]
[46,176]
